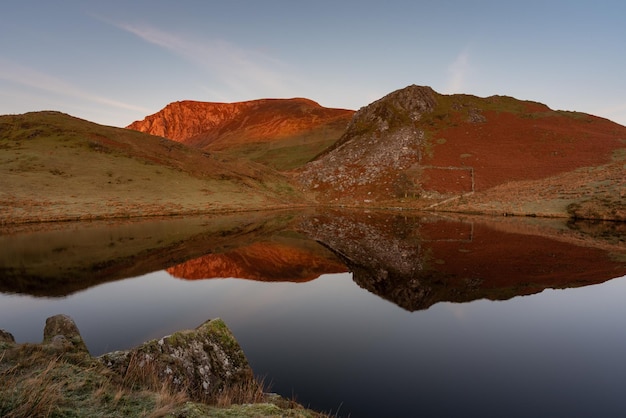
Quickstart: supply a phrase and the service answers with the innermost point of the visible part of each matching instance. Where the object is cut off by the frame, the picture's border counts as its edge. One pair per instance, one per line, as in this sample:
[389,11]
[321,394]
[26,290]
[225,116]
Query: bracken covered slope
[282,133]
[417,148]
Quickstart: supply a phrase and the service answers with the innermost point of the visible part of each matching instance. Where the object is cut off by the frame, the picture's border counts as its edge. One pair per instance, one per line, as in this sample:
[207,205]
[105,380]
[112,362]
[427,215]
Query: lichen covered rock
[202,362]
[61,332]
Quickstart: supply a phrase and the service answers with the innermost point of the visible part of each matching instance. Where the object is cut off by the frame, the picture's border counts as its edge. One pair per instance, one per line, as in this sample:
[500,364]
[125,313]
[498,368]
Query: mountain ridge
[253,129]
[412,149]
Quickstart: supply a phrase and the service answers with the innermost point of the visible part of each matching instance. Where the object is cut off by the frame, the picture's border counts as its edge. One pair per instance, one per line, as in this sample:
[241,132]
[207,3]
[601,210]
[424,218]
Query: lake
[361,314]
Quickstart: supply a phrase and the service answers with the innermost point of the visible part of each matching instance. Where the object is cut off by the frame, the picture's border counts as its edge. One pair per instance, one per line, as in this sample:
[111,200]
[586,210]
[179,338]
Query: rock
[202,362]
[61,342]
[61,332]
[377,156]
[475,116]
[6,338]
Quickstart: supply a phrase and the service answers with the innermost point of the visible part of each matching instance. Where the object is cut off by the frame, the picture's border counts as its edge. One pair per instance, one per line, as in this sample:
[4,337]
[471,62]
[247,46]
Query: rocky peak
[186,119]
[394,110]
[382,141]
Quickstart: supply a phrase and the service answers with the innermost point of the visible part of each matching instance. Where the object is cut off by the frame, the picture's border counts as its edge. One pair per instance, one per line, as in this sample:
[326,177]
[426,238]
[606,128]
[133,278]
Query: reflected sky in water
[337,347]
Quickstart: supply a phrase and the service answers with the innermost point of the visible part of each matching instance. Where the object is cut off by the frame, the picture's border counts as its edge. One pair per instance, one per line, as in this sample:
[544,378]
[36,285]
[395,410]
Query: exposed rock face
[396,110]
[186,119]
[228,126]
[201,362]
[202,123]
[381,143]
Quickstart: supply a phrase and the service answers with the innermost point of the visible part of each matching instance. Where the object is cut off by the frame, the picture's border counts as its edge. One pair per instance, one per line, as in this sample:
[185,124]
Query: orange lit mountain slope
[282,133]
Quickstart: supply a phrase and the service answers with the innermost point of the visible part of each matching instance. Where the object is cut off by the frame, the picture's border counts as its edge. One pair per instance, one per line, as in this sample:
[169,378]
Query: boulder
[6,338]
[203,362]
[61,332]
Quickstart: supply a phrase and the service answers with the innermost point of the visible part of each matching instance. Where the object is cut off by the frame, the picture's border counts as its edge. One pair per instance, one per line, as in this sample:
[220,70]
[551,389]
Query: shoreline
[191,373]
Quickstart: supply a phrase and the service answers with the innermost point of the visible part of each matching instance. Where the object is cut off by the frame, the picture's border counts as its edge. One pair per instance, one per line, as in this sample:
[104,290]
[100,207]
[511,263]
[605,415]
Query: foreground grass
[43,381]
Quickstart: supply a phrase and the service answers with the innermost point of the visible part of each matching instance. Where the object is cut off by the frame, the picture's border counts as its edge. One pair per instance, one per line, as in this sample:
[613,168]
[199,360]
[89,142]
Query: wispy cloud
[243,71]
[19,74]
[457,73]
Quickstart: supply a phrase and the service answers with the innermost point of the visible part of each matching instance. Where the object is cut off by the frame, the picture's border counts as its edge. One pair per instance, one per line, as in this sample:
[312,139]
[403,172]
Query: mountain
[417,148]
[281,133]
[54,166]
[414,148]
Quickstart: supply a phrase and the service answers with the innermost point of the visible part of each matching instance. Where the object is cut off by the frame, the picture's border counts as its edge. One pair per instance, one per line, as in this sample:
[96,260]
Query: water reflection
[416,262]
[338,346]
[412,260]
[59,259]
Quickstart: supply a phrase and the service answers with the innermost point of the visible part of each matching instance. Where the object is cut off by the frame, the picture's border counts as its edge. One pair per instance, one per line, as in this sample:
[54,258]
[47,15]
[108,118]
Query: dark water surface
[359,314]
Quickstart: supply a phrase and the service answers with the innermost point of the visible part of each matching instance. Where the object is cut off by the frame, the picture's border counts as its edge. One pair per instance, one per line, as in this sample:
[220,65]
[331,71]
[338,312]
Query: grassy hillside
[286,153]
[54,166]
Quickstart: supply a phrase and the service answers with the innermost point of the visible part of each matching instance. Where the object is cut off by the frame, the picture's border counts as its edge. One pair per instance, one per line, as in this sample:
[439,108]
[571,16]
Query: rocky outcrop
[60,335]
[61,331]
[6,338]
[246,128]
[419,149]
[382,142]
[195,373]
[394,111]
[201,362]
[186,119]
[203,123]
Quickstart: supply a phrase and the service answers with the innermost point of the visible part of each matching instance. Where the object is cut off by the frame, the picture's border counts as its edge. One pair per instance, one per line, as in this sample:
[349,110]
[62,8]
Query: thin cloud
[242,70]
[19,74]
[457,73]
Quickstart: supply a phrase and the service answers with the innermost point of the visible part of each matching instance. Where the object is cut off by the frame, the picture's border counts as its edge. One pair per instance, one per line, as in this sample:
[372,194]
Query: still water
[356,314]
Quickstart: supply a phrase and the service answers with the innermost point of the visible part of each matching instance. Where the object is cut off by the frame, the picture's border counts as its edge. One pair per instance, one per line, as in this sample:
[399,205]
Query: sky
[113,62]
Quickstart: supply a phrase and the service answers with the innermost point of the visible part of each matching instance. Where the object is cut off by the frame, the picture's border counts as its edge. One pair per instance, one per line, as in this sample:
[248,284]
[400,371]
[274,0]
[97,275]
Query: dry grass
[249,391]
[37,382]
[33,394]
[142,374]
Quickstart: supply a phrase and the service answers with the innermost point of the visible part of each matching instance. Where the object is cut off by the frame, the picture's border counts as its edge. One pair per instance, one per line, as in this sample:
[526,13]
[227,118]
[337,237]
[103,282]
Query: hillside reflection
[416,262]
[413,260]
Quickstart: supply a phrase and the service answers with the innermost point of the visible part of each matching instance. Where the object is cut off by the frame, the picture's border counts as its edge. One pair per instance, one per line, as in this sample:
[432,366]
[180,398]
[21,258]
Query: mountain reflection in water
[412,260]
[297,333]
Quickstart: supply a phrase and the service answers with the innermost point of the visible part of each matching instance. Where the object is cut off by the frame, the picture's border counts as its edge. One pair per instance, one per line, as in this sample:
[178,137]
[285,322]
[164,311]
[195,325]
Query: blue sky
[113,62]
